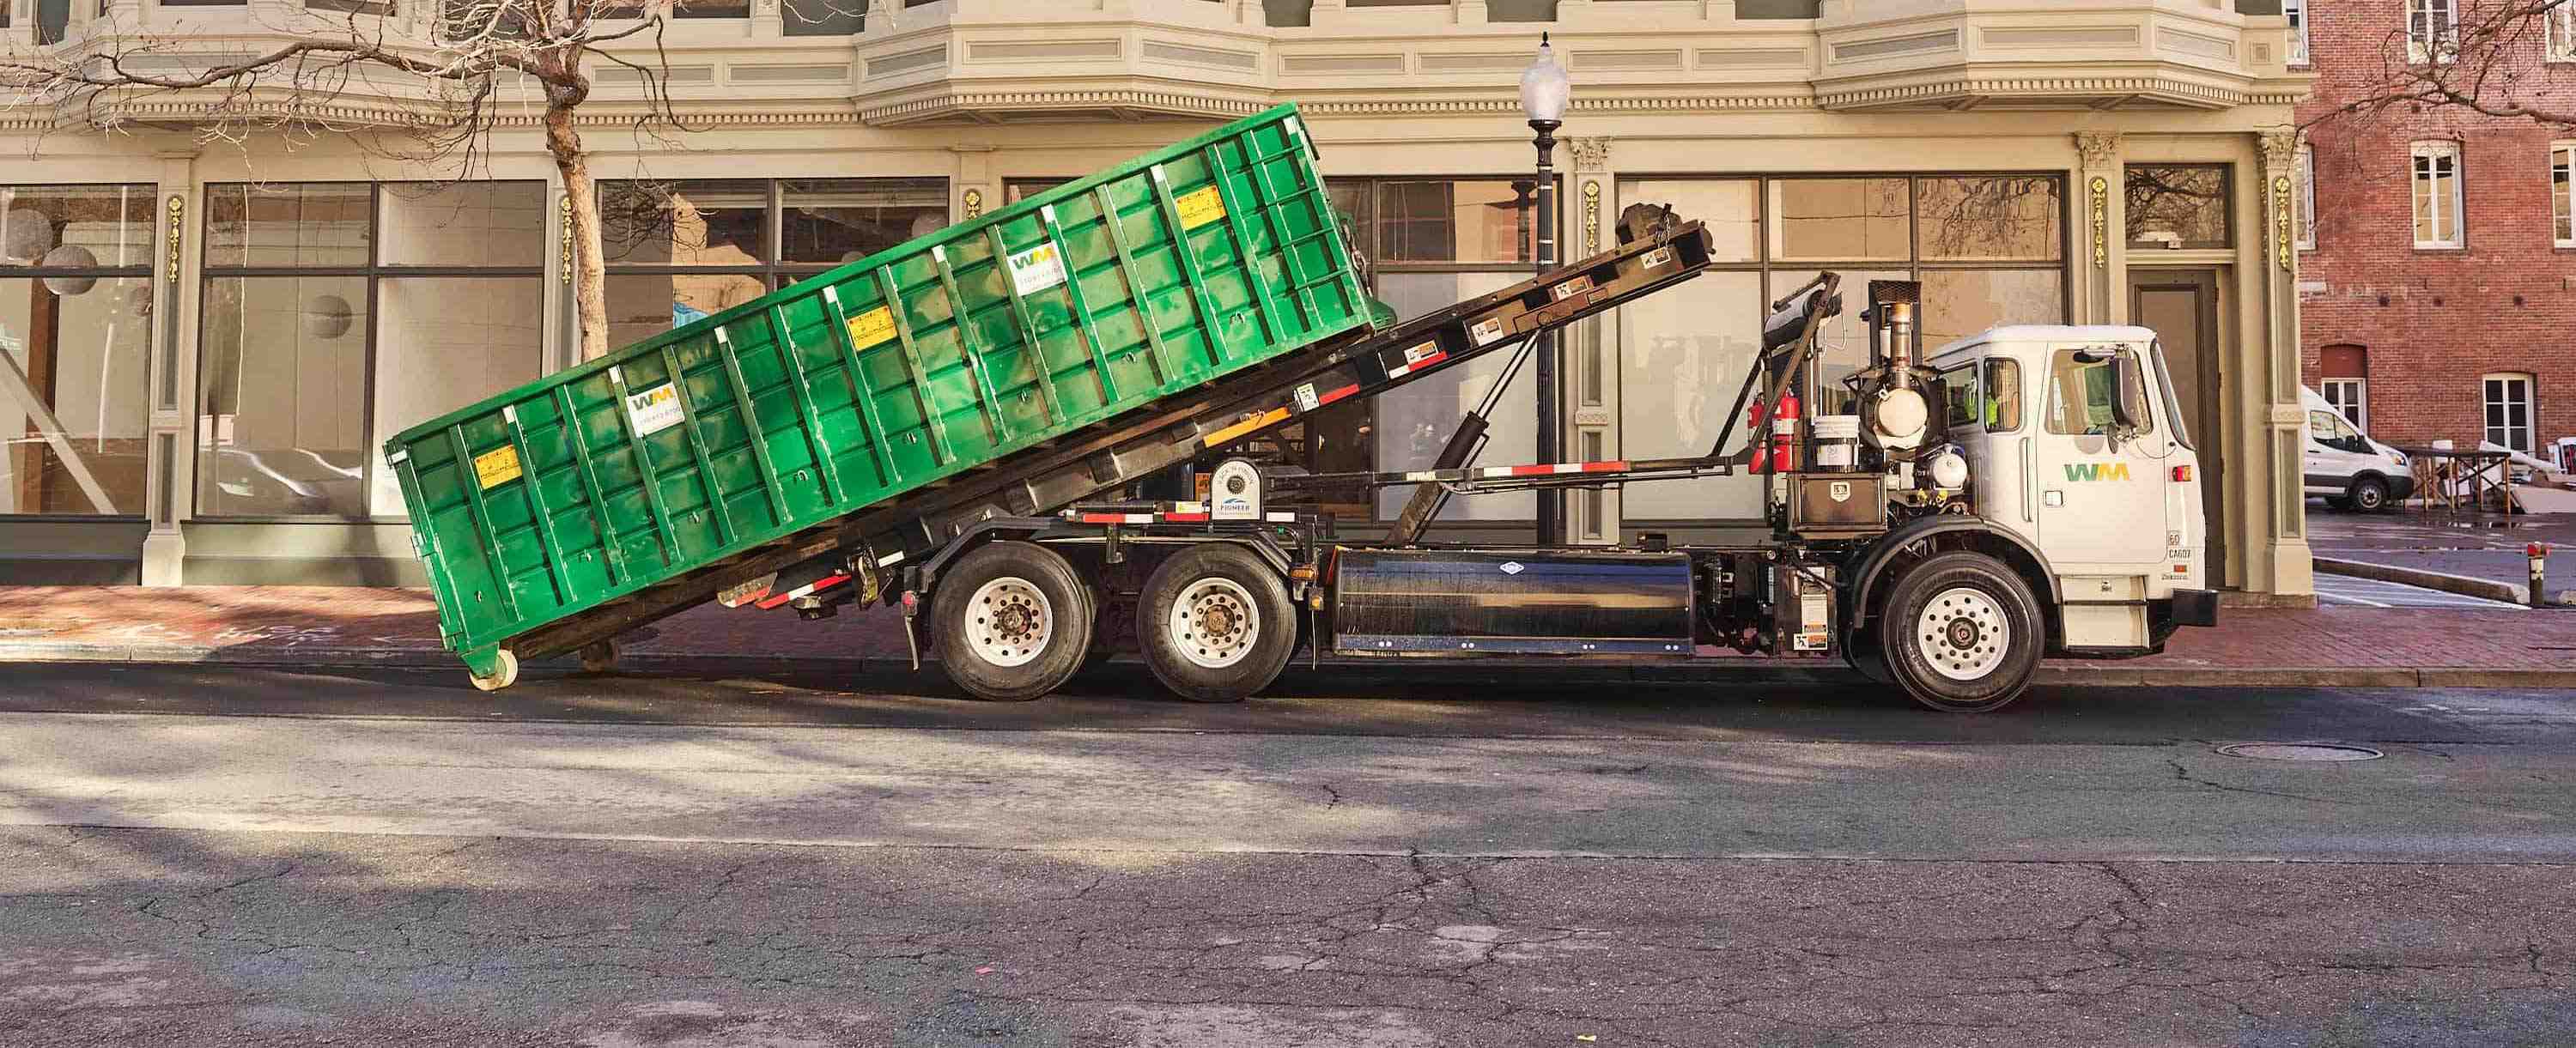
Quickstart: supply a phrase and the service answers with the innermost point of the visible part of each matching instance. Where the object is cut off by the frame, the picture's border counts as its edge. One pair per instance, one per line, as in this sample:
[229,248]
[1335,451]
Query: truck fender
[2017,551]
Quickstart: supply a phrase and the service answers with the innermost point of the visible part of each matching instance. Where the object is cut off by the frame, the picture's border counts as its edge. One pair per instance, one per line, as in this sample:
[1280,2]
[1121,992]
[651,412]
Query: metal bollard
[2538,552]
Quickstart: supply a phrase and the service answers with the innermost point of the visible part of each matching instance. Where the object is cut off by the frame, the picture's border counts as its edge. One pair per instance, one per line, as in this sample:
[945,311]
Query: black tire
[1007,592]
[2369,495]
[1989,605]
[1231,588]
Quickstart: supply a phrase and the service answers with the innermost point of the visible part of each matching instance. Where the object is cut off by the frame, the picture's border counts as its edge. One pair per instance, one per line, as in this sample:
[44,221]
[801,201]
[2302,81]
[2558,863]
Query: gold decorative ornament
[1591,215]
[974,203]
[563,208]
[2283,236]
[2101,222]
[178,234]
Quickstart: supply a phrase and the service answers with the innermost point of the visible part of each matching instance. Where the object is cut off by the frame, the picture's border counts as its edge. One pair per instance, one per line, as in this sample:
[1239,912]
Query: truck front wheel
[1216,623]
[1012,621]
[1961,633]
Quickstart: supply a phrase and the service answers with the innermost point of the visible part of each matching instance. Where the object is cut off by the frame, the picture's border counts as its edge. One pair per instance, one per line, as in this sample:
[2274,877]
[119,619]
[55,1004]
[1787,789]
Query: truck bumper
[2195,607]
[2400,487]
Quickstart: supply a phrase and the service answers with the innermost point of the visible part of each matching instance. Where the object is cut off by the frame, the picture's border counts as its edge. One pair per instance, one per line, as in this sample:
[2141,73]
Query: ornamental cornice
[2026,87]
[1159,101]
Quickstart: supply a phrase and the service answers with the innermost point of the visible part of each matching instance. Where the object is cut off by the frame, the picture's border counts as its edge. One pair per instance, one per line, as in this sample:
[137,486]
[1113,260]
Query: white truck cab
[2348,468]
[2077,445]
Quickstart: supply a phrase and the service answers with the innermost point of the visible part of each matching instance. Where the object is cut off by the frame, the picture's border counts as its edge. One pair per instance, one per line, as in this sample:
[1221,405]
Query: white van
[2351,470]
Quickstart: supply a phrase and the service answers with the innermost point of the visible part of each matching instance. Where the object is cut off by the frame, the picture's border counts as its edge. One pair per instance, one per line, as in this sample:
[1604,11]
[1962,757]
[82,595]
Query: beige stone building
[197,388]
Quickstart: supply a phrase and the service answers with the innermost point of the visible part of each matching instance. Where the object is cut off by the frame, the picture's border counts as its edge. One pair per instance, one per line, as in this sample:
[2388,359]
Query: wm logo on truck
[2097,471]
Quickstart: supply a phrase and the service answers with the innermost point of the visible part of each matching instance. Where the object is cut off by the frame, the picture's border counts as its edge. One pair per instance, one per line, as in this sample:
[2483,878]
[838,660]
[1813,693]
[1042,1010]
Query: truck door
[2101,506]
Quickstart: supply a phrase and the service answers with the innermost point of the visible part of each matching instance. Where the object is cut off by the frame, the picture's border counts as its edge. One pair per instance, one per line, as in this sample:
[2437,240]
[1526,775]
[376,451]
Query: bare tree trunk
[589,280]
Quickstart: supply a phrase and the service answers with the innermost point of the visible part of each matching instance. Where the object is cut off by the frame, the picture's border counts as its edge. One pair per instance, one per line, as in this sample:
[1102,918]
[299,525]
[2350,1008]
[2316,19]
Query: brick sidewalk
[2341,646]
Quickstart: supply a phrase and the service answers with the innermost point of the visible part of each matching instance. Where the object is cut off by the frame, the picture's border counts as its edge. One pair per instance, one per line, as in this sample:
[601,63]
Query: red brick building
[2438,265]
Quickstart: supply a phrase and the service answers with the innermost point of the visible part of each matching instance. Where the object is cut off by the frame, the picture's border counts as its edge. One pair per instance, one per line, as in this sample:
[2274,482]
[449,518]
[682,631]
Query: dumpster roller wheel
[600,657]
[505,671]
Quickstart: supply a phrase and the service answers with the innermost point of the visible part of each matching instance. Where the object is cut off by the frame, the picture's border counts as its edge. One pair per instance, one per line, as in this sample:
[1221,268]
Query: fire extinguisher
[1784,433]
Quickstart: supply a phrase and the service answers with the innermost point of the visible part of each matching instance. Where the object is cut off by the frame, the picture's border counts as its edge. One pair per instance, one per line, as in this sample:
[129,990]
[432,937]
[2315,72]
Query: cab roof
[2052,333]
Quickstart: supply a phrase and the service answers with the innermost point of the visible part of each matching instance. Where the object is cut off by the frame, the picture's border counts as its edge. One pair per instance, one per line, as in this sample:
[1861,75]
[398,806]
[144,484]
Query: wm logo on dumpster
[2097,471]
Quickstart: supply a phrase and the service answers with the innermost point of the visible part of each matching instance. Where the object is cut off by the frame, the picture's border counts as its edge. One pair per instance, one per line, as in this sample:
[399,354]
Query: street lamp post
[1544,90]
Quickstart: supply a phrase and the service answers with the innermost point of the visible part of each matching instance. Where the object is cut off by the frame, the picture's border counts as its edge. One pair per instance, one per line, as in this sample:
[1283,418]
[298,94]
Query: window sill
[2441,247]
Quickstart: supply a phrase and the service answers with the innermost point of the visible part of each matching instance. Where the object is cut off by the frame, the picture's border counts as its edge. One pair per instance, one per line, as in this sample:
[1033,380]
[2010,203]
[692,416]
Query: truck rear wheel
[1961,633]
[1012,621]
[1215,623]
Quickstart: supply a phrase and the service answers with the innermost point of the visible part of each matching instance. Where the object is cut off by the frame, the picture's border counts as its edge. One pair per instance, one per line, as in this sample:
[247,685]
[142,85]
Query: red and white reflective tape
[1193,517]
[806,590]
[1540,470]
[1412,365]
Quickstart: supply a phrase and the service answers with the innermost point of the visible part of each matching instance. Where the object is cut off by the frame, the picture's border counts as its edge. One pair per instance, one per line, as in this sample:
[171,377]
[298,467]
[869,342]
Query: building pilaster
[2099,204]
[1592,379]
[2292,567]
[170,427]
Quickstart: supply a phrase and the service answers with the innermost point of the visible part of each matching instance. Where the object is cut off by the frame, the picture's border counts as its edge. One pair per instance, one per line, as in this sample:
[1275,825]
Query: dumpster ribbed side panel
[935,356]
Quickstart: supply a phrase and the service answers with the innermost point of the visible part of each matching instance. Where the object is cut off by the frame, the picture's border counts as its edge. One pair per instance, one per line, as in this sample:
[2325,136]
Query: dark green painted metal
[948,352]
[615,555]
[1111,224]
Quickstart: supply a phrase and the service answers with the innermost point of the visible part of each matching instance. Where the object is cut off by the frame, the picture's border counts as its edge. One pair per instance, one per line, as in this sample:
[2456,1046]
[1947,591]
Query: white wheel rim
[2367,497]
[1213,623]
[1964,634]
[1009,621]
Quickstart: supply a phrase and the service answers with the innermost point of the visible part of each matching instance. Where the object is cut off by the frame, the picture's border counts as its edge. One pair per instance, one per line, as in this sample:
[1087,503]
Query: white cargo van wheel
[1217,623]
[1012,621]
[2369,495]
[1962,633]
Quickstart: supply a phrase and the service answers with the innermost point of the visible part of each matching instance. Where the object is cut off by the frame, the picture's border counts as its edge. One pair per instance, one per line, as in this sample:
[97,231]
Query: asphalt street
[196,855]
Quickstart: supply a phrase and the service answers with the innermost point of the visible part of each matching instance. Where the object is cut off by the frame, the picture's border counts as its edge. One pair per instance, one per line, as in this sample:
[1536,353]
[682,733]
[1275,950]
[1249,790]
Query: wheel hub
[1009,621]
[1964,633]
[1213,623]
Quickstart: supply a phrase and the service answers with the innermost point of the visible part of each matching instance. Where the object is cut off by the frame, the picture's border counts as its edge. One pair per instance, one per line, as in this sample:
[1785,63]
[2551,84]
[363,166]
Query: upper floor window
[2437,194]
[2432,30]
[2307,176]
[2562,193]
[2508,404]
[2297,10]
[2562,33]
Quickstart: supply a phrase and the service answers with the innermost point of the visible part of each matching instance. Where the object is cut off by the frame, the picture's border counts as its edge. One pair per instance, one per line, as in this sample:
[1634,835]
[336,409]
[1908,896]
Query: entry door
[2181,306]
[2101,502]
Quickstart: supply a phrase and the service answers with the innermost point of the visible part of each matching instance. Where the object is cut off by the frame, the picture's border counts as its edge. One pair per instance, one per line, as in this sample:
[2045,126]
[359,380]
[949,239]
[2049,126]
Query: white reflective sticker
[655,409]
[1037,269]
[1306,397]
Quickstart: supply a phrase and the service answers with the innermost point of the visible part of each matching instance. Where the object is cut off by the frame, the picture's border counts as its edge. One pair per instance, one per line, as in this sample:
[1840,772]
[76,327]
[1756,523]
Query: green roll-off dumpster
[669,457]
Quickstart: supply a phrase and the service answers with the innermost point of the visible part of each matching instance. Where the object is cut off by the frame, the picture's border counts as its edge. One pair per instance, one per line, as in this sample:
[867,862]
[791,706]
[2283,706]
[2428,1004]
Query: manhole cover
[2300,751]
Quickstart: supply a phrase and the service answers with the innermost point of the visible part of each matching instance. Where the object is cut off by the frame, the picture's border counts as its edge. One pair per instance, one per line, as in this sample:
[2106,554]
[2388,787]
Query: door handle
[2029,485]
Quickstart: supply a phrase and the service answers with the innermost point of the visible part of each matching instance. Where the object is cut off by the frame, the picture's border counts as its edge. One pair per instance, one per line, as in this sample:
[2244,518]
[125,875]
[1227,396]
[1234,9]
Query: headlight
[1949,470]
[2397,458]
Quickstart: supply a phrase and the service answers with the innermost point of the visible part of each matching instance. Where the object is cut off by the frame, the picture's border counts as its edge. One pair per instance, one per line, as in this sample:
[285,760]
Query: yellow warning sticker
[1200,207]
[498,466]
[869,328]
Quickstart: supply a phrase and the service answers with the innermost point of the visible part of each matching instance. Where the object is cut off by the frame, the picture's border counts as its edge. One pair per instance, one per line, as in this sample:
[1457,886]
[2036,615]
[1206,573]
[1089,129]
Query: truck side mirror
[2128,392]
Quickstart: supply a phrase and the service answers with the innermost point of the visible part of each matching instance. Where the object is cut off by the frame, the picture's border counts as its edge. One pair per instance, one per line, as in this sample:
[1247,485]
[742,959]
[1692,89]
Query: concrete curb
[1722,671]
[2464,585]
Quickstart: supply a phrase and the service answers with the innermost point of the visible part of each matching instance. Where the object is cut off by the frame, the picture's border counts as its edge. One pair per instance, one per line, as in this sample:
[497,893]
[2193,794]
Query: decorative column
[976,191]
[169,463]
[1592,380]
[2292,569]
[2100,207]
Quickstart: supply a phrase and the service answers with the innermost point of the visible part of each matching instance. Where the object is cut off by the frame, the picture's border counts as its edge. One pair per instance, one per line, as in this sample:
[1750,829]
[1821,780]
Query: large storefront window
[75,323]
[338,314]
[1990,250]
[1434,242]
[678,251]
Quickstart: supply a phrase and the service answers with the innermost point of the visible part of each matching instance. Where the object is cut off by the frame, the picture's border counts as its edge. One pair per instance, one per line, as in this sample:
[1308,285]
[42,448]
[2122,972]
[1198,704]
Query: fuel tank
[1557,602]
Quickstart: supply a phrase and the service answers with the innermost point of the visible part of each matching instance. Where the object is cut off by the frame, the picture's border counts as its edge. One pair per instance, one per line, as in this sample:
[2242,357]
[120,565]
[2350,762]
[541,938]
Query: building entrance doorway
[2181,306]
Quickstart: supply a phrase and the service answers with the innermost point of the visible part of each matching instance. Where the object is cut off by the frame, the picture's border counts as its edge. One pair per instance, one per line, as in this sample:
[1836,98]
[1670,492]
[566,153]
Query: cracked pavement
[722,862]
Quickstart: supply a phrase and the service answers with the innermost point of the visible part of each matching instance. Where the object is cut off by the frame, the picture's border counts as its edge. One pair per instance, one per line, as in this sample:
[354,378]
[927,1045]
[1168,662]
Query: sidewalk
[288,625]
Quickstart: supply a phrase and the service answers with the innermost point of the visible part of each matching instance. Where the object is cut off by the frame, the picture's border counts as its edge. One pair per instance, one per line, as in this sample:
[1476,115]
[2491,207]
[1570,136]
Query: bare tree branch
[2491,59]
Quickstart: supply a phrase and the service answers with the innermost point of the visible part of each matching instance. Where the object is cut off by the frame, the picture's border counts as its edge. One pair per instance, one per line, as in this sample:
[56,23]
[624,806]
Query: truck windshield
[2173,404]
